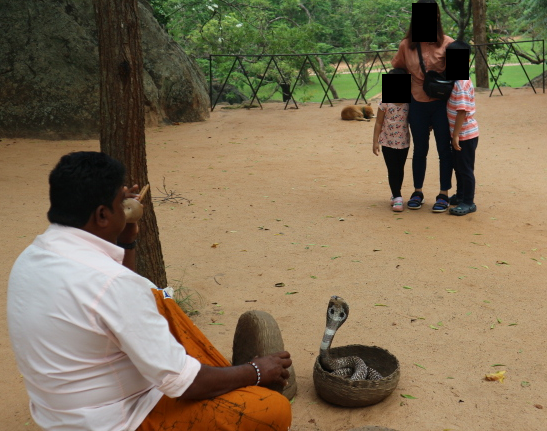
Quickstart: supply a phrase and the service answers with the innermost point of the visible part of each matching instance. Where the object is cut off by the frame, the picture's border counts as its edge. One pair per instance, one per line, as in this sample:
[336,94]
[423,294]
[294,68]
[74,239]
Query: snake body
[352,367]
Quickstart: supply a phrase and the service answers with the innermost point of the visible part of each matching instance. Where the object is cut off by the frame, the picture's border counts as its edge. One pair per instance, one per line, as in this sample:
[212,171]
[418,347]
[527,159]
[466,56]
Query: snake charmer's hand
[131,230]
[274,368]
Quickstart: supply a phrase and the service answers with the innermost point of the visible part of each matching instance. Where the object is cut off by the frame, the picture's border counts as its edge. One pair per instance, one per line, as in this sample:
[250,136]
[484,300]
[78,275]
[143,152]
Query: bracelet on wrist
[257,372]
[127,245]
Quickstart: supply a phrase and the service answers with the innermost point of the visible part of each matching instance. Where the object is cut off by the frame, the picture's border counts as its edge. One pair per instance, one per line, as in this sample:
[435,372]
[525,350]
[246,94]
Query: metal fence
[360,75]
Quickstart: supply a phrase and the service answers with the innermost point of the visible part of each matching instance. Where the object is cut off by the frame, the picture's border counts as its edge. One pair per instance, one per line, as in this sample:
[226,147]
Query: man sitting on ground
[99,346]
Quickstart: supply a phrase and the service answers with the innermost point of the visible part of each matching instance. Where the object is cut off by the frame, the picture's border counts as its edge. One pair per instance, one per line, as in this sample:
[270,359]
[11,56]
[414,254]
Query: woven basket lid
[257,334]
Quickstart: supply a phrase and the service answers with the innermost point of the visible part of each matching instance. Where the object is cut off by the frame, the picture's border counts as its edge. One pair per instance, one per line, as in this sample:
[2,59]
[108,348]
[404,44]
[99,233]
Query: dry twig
[169,196]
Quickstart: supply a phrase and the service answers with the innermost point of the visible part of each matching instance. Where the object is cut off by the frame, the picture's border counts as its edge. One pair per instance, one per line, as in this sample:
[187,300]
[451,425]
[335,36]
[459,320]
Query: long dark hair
[440,31]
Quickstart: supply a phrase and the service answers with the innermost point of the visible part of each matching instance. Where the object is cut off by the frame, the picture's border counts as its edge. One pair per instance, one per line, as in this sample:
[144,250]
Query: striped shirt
[463,99]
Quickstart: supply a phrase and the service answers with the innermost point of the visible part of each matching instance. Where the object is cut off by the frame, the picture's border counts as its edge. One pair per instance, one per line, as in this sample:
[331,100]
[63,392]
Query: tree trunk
[479,37]
[322,75]
[122,116]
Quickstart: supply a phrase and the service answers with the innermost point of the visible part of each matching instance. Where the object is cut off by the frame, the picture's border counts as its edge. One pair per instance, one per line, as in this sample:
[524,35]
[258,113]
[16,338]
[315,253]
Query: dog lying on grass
[358,112]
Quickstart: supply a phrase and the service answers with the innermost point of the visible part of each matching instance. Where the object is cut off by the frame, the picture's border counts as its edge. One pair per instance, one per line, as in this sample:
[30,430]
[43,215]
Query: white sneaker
[397,204]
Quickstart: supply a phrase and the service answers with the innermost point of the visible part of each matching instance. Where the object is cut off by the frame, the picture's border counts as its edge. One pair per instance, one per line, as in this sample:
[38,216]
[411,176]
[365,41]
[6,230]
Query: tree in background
[245,27]
[122,116]
[463,15]
[479,38]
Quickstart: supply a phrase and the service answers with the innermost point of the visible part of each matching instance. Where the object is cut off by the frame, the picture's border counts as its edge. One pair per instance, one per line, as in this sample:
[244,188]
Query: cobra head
[337,312]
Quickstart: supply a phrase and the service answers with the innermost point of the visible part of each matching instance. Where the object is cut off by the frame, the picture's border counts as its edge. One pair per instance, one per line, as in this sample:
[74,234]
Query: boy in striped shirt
[463,127]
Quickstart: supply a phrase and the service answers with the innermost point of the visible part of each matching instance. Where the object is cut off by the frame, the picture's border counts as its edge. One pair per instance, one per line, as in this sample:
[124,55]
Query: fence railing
[360,72]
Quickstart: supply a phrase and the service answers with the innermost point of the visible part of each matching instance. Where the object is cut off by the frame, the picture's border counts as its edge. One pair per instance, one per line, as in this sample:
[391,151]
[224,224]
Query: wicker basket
[343,392]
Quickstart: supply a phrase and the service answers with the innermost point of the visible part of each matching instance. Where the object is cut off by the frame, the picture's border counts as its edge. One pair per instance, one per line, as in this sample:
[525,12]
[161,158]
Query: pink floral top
[395,133]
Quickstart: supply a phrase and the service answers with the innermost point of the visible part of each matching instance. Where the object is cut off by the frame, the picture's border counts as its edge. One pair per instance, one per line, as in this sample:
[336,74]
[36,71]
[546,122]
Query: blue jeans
[420,117]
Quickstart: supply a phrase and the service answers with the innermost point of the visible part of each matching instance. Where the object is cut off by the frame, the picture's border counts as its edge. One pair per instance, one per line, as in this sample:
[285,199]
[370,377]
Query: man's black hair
[459,44]
[80,183]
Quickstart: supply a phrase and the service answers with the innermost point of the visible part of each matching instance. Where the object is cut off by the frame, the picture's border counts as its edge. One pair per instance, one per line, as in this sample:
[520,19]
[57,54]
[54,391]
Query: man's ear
[102,216]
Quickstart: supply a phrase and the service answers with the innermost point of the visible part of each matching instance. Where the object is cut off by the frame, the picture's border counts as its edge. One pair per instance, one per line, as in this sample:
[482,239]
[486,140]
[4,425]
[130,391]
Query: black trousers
[420,117]
[395,161]
[464,167]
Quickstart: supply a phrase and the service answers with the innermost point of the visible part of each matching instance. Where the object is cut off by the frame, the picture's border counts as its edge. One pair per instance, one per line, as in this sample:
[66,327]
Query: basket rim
[320,368]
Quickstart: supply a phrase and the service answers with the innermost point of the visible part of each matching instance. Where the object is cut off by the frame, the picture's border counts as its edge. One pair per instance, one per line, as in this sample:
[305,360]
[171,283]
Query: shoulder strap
[421,58]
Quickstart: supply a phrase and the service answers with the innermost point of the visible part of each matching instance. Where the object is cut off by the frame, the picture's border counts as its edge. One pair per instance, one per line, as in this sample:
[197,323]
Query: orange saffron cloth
[252,408]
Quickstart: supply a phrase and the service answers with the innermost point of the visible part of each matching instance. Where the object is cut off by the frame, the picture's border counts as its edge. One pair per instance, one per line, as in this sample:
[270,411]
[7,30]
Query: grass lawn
[513,76]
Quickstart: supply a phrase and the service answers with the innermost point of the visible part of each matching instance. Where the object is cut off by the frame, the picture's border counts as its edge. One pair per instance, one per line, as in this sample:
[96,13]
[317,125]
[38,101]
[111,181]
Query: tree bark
[323,75]
[479,37]
[122,116]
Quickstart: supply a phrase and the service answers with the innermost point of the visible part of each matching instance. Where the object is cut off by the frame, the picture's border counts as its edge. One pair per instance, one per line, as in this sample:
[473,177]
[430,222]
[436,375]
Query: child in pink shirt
[391,132]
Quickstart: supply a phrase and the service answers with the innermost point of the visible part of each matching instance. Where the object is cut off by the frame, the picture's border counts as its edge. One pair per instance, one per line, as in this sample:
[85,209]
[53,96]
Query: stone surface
[538,82]
[49,72]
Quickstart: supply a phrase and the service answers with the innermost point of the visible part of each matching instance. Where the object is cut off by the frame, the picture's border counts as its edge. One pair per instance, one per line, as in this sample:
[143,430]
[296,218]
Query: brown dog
[358,112]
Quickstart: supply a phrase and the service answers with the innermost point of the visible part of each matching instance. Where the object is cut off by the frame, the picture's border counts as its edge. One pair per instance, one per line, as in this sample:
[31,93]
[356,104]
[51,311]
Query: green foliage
[534,18]
[250,28]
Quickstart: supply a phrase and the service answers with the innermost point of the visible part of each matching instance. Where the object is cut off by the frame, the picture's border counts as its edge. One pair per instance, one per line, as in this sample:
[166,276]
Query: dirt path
[297,197]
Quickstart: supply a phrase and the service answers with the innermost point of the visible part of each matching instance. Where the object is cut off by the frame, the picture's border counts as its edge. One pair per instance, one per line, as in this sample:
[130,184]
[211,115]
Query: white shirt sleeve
[127,312]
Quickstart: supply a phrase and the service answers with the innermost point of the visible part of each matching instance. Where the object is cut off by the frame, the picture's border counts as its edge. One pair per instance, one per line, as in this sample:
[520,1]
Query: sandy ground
[297,197]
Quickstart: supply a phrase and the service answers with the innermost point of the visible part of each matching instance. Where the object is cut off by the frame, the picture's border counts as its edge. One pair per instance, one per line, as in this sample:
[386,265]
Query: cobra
[352,367]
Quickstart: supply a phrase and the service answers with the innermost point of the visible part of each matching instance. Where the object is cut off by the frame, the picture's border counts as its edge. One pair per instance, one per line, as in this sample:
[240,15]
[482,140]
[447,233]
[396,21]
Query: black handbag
[436,85]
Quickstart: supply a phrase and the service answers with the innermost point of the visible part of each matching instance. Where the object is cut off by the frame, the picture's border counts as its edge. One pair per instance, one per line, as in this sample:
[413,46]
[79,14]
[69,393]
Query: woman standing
[426,113]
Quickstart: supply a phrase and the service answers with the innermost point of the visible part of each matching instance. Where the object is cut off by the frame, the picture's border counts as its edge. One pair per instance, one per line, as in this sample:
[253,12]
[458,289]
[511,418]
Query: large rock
[49,71]
[537,81]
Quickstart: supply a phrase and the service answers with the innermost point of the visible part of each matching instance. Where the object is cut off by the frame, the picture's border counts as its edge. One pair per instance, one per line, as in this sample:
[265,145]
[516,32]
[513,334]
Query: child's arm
[377,129]
[460,118]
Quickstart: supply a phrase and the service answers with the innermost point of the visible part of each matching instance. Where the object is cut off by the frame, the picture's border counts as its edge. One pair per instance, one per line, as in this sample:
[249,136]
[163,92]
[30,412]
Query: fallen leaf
[498,376]
[290,293]
[215,245]
[410,397]
[279,284]
[524,384]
